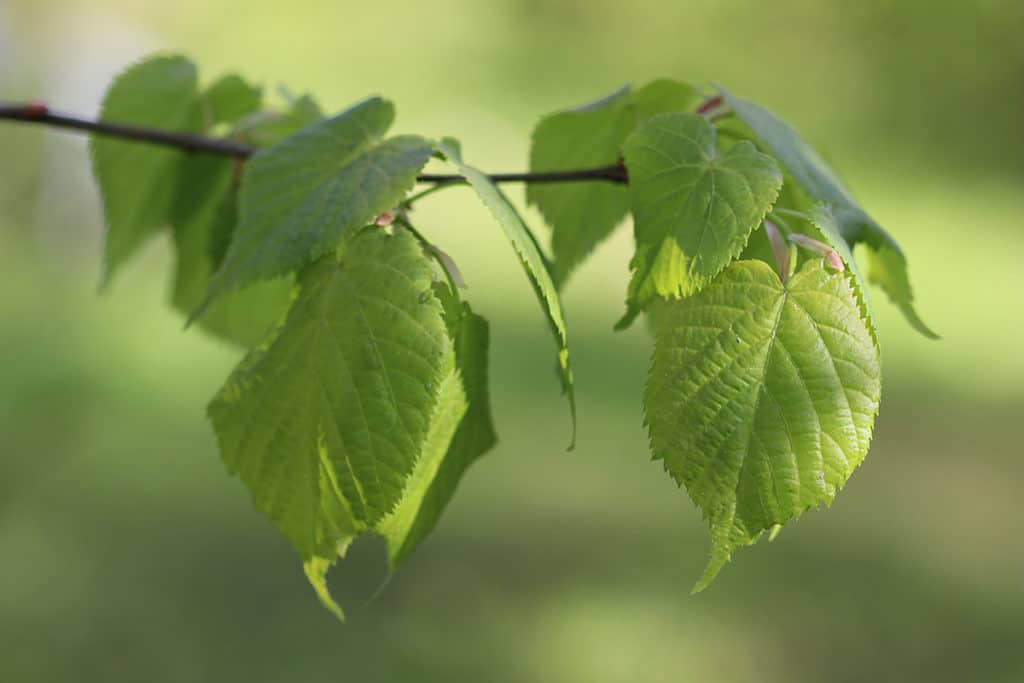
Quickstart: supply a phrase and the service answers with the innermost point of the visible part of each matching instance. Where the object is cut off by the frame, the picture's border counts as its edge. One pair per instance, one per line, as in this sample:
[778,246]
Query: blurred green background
[127,553]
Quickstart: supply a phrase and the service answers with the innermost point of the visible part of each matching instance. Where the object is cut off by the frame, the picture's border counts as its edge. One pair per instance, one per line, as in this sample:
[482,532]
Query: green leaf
[582,215]
[137,180]
[693,208]
[267,128]
[761,397]
[533,260]
[889,265]
[889,271]
[325,424]
[205,210]
[229,99]
[448,451]
[302,197]
[460,431]
[316,569]
[824,220]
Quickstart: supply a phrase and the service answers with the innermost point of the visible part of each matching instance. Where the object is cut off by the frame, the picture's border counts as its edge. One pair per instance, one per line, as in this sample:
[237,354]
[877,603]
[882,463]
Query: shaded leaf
[229,99]
[821,183]
[300,198]
[204,208]
[267,128]
[137,181]
[582,215]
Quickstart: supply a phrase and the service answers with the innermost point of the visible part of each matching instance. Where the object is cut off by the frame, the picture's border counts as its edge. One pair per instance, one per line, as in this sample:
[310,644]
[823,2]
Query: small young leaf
[693,208]
[267,128]
[229,99]
[761,397]
[820,182]
[533,260]
[137,180]
[300,198]
[582,215]
[324,424]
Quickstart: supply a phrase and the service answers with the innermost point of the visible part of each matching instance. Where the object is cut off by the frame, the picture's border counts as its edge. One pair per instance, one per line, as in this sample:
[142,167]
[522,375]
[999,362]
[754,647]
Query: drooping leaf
[204,208]
[821,183]
[316,569]
[325,423]
[582,215]
[889,271]
[460,431]
[137,180]
[300,198]
[229,99]
[761,397]
[693,208]
[448,451]
[533,260]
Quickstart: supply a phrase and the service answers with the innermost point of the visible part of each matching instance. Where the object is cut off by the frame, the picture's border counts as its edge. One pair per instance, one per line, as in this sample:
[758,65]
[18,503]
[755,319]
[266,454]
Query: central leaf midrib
[761,380]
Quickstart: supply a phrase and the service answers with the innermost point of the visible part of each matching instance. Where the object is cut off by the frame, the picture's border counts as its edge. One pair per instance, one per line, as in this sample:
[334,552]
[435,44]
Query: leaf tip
[632,311]
[316,572]
[719,556]
[915,322]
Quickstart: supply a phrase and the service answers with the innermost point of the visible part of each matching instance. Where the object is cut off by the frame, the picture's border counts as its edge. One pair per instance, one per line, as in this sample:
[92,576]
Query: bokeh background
[127,553]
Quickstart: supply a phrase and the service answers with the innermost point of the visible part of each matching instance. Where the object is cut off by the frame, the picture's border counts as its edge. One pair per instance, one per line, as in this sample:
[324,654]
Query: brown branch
[41,114]
[187,142]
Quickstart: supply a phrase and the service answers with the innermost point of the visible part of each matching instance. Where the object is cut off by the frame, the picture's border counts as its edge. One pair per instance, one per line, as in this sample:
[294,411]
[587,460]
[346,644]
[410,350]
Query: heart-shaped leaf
[761,397]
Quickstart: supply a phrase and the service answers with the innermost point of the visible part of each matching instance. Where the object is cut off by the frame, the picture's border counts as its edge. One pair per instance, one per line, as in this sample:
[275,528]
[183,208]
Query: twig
[41,114]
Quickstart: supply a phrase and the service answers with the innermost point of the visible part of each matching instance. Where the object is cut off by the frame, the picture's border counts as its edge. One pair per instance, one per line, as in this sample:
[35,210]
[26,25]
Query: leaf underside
[532,259]
[821,183]
[761,397]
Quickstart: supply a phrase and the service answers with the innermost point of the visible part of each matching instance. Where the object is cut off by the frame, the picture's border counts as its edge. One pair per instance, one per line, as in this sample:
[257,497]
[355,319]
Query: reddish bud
[709,104]
[779,249]
[830,255]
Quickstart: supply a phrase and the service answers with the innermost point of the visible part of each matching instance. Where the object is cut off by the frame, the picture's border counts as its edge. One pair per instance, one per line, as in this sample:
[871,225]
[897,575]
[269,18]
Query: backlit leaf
[761,397]
[448,451]
[582,215]
[693,208]
[325,423]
